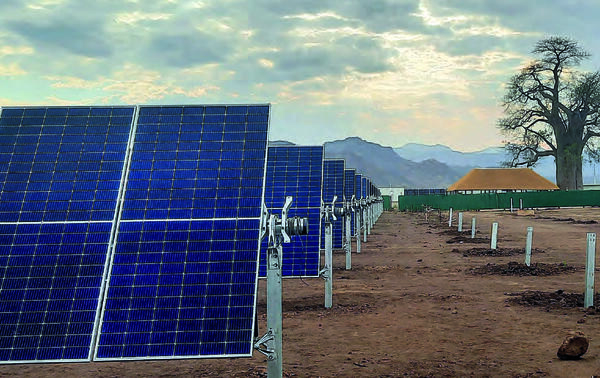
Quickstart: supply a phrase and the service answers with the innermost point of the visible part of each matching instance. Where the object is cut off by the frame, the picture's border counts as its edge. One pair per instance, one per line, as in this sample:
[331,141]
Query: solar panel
[333,185]
[349,190]
[60,177]
[358,186]
[184,272]
[364,187]
[296,171]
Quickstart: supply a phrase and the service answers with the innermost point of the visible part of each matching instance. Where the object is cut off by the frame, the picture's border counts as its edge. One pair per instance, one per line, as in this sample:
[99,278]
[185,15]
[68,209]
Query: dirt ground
[414,305]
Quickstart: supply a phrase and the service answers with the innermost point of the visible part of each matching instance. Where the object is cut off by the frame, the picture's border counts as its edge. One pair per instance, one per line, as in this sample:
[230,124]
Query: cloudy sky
[393,72]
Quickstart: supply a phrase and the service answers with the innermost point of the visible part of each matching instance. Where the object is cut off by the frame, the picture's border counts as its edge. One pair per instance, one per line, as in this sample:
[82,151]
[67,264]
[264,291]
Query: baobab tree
[552,110]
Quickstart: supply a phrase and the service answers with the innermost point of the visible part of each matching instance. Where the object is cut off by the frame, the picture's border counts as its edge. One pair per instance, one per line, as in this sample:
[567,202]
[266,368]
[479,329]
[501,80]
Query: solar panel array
[182,202]
[296,171]
[333,185]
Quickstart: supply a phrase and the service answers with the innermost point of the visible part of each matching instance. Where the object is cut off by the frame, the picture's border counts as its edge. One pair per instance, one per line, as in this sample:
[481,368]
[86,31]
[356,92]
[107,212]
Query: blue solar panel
[364,187]
[358,186]
[296,171]
[183,279]
[349,191]
[181,289]
[60,174]
[333,185]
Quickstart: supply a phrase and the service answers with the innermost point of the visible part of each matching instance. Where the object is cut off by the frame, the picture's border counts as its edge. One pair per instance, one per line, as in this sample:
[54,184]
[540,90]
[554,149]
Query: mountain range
[422,166]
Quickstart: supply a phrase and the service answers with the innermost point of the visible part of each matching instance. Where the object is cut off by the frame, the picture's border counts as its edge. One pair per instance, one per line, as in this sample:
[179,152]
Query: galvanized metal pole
[369,219]
[348,242]
[274,312]
[528,246]
[494,241]
[473,229]
[328,265]
[520,203]
[460,220]
[364,219]
[450,219]
[511,204]
[357,223]
[589,270]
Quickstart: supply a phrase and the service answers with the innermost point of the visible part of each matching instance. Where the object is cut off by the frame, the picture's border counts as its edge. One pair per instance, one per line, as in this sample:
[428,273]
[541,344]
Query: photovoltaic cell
[60,173]
[358,186]
[296,171]
[333,185]
[184,271]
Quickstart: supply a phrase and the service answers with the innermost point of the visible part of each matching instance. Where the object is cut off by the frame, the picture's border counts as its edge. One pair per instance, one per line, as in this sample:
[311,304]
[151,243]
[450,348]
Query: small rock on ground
[573,347]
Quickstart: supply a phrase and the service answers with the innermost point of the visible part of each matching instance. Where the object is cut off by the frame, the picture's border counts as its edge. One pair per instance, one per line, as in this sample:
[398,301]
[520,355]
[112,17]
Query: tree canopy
[553,110]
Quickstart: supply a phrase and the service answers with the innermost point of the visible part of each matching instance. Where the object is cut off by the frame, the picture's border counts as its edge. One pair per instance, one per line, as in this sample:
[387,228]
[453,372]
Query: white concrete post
[460,220]
[450,219]
[473,225]
[589,270]
[494,241]
[528,246]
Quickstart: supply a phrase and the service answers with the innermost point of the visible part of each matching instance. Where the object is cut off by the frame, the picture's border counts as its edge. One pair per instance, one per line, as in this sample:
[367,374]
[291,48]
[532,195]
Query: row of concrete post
[590,252]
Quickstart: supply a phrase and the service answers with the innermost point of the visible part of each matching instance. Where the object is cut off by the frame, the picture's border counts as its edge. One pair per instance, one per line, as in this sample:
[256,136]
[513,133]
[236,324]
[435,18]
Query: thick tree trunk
[569,167]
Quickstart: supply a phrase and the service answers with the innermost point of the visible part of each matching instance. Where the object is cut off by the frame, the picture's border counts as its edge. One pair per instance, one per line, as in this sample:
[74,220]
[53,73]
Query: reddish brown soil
[411,307]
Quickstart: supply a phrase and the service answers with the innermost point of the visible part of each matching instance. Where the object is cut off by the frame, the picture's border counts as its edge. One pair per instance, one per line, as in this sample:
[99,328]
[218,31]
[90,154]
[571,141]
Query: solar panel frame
[333,184]
[77,111]
[299,244]
[191,220]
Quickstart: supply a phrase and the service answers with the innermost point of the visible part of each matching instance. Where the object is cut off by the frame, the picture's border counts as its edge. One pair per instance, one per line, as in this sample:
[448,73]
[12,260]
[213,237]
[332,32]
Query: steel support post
[357,223]
[348,241]
[328,269]
[274,311]
[364,221]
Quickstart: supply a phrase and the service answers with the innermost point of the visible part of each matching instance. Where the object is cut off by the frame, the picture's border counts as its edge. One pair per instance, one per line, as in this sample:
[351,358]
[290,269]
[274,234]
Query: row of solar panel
[94,111]
[159,269]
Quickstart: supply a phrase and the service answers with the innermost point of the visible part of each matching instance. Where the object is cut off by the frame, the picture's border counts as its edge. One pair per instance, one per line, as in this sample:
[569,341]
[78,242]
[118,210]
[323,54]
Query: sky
[391,72]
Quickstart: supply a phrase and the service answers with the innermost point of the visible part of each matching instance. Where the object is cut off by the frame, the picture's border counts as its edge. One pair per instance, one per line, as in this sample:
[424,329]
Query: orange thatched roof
[502,179]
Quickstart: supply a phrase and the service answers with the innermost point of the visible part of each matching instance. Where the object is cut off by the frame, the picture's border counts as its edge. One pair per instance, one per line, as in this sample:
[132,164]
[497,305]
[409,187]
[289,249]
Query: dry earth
[411,306]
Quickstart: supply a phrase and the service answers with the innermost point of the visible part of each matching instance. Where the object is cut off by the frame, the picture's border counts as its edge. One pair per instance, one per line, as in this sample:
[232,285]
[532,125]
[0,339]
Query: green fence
[387,202]
[501,200]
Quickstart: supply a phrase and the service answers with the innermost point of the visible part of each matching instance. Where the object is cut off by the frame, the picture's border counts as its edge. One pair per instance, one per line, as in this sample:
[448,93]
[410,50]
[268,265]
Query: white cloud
[133,85]
[133,18]
[12,69]
[316,16]
[16,50]
[266,63]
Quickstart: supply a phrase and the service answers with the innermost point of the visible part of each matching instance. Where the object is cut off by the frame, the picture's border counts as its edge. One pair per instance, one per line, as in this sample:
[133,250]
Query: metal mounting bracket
[263,345]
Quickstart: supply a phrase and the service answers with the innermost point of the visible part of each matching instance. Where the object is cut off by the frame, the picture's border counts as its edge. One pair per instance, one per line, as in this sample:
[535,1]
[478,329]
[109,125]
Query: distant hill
[490,157]
[422,166]
[386,168]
